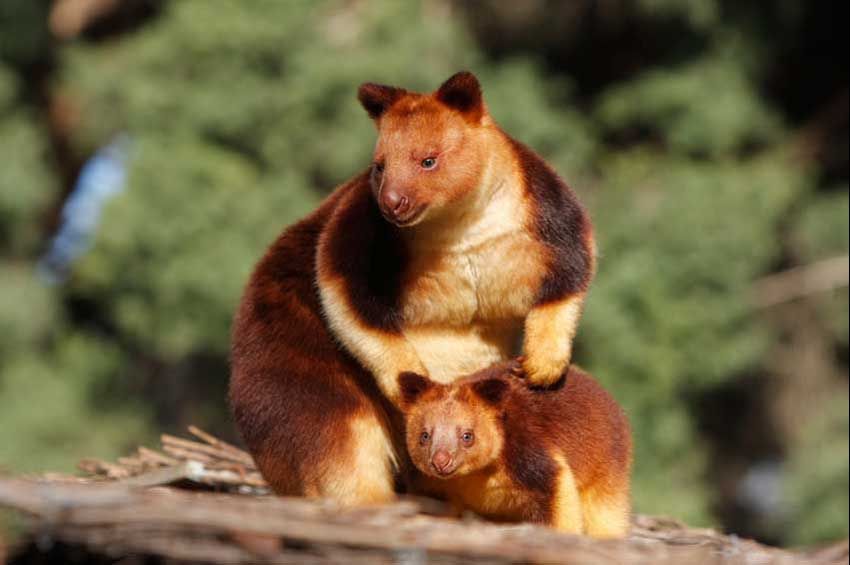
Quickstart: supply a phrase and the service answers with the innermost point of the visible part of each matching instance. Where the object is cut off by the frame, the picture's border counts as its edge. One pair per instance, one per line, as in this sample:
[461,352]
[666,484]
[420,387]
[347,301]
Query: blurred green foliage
[242,115]
[24,37]
[26,185]
[52,407]
[49,371]
[707,107]
[817,485]
[822,231]
[668,315]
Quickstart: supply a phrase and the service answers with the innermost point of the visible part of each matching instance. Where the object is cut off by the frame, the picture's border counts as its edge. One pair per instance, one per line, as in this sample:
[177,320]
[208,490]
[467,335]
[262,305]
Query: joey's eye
[468,438]
[429,163]
[424,438]
[378,167]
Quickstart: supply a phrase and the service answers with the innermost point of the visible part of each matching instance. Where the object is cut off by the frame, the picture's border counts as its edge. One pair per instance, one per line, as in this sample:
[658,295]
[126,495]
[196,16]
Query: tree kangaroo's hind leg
[318,432]
[606,511]
[360,469]
[567,509]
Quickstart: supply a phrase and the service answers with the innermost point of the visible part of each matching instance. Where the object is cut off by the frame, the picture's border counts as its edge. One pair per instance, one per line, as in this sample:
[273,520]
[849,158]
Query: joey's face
[447,436]
[429,154]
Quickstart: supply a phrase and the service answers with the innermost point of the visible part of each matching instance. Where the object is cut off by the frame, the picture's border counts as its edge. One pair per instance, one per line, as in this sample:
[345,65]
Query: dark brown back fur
[578,418]
[293,391]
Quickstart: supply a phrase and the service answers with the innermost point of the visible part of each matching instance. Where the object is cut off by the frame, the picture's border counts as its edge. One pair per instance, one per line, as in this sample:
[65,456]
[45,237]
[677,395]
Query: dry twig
[802,281]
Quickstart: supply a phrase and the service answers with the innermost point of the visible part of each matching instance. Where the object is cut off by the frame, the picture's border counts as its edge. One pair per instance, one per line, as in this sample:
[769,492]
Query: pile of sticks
[205,460]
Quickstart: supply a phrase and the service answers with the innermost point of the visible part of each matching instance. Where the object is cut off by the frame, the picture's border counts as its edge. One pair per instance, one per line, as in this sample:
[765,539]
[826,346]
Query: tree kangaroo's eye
[429,163]
[378,167]
[468,438]
[424,438]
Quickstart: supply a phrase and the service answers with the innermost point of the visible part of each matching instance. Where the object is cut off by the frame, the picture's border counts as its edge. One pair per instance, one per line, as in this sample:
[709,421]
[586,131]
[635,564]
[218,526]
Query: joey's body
[438,271]
[490,444]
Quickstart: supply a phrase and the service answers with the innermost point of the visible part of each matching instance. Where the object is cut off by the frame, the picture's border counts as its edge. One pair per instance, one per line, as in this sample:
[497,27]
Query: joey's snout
[443,462]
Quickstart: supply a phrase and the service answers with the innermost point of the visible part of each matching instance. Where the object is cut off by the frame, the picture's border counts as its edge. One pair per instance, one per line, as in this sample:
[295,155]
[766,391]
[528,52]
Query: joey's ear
[491,390]
[377,98]
[463,93]
[413,386]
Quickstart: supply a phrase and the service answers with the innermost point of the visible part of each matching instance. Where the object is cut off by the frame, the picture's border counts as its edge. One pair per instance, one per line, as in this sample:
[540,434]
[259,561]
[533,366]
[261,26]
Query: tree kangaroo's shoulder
[560,222]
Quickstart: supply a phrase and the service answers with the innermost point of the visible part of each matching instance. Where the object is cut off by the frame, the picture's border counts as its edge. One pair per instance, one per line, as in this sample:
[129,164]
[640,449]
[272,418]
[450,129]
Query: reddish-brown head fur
[452,430]
[429,154]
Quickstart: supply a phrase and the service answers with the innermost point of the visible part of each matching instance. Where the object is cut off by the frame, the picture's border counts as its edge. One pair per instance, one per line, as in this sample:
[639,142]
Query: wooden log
[117,519]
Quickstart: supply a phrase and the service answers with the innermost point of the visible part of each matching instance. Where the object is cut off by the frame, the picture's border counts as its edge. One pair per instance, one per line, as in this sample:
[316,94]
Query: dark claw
[515,367]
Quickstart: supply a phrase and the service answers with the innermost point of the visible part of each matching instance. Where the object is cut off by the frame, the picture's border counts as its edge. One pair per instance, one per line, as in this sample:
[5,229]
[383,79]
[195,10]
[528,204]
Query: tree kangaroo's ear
[377,98]
[413,386]
[462,92]
[491,390]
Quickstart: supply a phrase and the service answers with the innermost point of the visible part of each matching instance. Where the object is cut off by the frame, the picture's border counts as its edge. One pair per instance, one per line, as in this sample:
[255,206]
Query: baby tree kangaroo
[454,242]
[489,443]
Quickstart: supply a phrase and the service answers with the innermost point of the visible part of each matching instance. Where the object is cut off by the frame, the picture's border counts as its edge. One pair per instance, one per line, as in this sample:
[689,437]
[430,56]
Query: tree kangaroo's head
[429,155]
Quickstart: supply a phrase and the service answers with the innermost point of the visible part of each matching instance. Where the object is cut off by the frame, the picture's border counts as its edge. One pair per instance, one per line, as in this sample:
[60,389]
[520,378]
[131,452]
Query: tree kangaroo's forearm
[385,354]
[549,333]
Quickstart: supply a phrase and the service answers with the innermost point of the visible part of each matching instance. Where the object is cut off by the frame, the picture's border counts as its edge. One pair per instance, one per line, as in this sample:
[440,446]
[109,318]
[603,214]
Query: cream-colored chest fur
[494,281]
[465,301]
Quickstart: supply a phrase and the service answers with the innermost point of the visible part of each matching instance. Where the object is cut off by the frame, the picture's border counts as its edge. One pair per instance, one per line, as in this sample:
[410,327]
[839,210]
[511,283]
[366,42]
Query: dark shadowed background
[150,151]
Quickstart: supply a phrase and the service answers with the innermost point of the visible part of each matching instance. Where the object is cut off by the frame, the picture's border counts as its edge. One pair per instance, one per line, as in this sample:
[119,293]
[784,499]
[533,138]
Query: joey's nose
[395,203]
[442,461]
